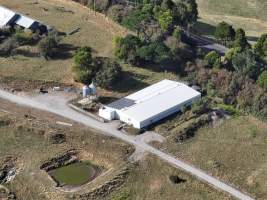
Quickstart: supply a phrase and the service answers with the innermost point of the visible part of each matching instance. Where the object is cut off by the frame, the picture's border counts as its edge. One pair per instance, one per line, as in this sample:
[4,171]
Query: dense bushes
[155,52]
[126,48]
[108,72]
[235,89]
[134,51]
[104,71]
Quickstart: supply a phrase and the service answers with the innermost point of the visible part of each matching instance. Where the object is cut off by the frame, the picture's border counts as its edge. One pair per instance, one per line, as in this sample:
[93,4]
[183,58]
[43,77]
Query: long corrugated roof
[5,16]
[24,21]
[158,98]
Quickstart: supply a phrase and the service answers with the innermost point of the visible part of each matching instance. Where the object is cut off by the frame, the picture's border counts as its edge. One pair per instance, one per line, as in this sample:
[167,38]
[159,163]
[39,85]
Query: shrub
[165,19]
[262,80]
[23,37]
[177,34]
[200,106]
[212,59]
[7,46]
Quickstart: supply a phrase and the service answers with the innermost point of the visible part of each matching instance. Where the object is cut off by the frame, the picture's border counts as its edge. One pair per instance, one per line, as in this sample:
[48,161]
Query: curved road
[63,110]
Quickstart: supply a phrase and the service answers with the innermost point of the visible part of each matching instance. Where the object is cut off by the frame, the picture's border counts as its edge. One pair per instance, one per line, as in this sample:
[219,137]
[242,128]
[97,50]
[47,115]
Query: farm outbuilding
[6,17]
[27,22]
[11,18]
[151,104]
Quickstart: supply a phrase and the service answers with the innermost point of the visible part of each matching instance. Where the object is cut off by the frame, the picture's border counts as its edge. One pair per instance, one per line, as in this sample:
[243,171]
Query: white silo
[92,88]
[86,91]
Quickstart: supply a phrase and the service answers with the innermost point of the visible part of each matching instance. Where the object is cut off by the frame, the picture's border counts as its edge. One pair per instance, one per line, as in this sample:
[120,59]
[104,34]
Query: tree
[165,19]
[103,71]
[246,63]
[156,52]
[213,59]
[108,72]
[224,33]
[241,40]
[261,46]
[185,13]
[83,67]
[126,48]
[262,80]
[139,19]
[167,4]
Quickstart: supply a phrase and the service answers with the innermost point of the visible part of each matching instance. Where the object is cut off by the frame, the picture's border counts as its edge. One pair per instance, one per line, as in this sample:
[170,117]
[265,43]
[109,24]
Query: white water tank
[86,91]
[92,88]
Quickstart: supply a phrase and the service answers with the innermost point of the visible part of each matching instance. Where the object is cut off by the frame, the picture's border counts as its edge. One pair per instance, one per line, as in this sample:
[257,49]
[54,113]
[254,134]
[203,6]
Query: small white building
[151,104]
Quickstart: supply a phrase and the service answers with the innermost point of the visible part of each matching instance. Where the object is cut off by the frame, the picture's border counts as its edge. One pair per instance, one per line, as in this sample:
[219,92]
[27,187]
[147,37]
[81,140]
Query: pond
[74,174]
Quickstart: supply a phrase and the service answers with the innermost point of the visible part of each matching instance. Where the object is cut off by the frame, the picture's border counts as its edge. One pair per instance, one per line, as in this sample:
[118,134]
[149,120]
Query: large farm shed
[151,104]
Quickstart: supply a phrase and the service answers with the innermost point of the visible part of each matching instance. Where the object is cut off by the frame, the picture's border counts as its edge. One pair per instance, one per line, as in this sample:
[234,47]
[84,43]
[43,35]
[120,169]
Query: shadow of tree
[65,51]
[252,38]
[129,83]
[107,99]
[204,28]
[26,53]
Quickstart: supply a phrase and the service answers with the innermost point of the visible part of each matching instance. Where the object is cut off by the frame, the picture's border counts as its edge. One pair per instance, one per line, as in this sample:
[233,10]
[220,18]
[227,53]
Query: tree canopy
[261,46]
[262,80]
[241,40]
[224,33]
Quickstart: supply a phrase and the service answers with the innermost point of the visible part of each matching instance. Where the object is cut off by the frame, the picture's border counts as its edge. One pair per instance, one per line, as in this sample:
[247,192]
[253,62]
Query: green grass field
[74,174]
[250,15]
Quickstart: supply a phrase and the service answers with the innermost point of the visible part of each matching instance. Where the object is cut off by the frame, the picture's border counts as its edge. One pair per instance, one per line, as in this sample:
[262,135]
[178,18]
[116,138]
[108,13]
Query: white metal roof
[24,21]
[158,98]
[5,16]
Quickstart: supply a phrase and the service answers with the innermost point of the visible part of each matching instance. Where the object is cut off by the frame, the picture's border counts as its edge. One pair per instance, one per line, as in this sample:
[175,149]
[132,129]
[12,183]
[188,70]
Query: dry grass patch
[96,32]
[249,15]
[235,151]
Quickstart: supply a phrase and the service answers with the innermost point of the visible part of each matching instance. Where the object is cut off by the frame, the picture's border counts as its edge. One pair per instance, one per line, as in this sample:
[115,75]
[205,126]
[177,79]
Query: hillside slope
[250,15]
